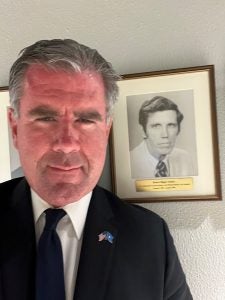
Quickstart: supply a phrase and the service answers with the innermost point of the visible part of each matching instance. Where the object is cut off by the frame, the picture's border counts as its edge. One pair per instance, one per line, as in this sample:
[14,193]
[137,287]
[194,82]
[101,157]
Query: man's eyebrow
[48,111]
[43,111]
[93,115]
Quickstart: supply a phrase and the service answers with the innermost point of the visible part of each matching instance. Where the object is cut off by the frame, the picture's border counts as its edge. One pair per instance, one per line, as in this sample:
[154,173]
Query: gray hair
[67,55]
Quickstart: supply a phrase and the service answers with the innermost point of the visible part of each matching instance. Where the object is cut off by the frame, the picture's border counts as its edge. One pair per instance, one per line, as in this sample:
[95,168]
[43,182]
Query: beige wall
[138,36]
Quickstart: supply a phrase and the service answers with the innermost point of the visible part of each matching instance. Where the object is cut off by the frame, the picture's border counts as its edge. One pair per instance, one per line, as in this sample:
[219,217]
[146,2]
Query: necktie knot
[53,216]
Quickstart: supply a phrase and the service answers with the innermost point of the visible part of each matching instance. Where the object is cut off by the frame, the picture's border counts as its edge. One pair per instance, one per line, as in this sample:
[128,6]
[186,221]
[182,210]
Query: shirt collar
[77,211]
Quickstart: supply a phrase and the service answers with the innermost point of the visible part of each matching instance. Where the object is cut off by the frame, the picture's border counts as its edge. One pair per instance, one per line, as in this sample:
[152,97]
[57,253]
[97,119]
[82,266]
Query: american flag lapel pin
[106,236]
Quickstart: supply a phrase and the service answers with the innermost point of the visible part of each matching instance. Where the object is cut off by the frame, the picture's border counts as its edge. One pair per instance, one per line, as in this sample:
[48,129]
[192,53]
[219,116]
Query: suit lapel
[18,250]
[96,256]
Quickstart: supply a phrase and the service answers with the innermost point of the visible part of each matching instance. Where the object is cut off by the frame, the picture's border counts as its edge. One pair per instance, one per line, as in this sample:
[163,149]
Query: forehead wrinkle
[44,89]
[57,87]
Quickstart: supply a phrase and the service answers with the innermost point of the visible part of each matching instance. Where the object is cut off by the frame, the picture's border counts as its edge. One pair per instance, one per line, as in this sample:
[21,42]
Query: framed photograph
[9,158]
[164,144]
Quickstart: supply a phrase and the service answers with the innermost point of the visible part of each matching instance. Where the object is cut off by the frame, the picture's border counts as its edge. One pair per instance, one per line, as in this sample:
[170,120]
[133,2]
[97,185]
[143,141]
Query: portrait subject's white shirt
[70,230]
[143,164]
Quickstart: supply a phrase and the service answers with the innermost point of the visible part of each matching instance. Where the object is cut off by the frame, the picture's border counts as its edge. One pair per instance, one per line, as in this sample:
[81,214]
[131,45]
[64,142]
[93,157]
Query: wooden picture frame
[9,158]
[193,92]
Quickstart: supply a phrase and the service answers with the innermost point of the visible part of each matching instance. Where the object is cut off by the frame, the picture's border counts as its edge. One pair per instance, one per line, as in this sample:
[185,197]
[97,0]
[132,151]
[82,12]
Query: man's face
[61,133]
[161,132]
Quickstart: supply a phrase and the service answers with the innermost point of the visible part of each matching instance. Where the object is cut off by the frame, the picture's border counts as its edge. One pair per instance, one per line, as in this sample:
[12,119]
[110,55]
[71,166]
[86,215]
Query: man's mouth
[64,168]
[164,145]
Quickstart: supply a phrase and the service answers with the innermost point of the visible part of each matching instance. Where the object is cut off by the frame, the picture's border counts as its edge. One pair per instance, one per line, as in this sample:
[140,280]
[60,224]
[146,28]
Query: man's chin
[63,193]
[165,151]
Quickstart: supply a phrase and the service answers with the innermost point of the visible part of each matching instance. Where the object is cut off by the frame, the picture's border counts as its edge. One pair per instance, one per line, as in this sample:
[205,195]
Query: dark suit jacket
[141,264]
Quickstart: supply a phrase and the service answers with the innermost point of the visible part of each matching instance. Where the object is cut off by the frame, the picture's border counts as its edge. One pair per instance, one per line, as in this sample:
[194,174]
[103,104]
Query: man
[156,155]
[62,94]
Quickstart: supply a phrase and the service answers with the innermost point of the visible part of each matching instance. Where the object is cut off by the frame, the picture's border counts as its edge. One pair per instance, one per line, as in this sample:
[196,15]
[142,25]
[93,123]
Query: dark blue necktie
[49,269]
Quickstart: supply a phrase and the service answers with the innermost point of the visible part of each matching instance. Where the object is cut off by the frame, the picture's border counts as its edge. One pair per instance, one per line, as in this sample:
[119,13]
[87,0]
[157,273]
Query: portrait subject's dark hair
[67,55]
[158,103]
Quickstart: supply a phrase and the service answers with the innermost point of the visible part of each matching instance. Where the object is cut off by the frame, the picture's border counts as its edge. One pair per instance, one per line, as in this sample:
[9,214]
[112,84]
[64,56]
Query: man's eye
[85,121]
[155,125]
[172,125]
[46,119]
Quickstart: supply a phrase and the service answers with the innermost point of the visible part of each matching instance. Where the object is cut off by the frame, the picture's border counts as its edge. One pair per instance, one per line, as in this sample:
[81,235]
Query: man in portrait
[156,155]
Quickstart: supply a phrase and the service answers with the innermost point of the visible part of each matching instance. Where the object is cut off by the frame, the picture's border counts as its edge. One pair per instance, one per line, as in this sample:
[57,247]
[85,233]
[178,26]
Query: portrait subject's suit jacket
[140,264]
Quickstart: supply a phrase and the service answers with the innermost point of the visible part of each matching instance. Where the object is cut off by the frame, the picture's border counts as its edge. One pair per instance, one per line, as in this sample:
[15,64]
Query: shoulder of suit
[7,188]
[6,185]
[134,212]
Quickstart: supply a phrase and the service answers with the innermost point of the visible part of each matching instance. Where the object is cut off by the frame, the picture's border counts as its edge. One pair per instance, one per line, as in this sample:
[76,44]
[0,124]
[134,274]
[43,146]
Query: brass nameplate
[160,185]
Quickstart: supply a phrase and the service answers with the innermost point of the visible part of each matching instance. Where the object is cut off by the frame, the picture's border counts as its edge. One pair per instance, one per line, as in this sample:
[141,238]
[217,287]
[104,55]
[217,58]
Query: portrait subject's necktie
[161,169]
[49,268]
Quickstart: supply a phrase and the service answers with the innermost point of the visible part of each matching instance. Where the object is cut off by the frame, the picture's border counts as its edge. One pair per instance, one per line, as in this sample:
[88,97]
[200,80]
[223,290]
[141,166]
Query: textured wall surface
[138,36]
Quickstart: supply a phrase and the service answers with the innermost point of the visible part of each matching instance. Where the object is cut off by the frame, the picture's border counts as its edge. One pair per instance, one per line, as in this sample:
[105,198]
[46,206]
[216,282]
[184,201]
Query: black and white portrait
[162,136]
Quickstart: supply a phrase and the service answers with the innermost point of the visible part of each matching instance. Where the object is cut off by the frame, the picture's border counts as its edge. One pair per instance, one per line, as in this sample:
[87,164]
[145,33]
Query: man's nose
[164,131]
[67,139]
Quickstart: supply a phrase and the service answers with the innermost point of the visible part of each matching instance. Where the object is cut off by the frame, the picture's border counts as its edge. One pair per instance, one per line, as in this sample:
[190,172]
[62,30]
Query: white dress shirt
[143,164]
[70,230]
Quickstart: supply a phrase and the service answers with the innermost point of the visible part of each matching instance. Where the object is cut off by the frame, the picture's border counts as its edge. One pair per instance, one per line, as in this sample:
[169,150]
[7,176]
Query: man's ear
[143,133]
[109,125]
[13,125]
